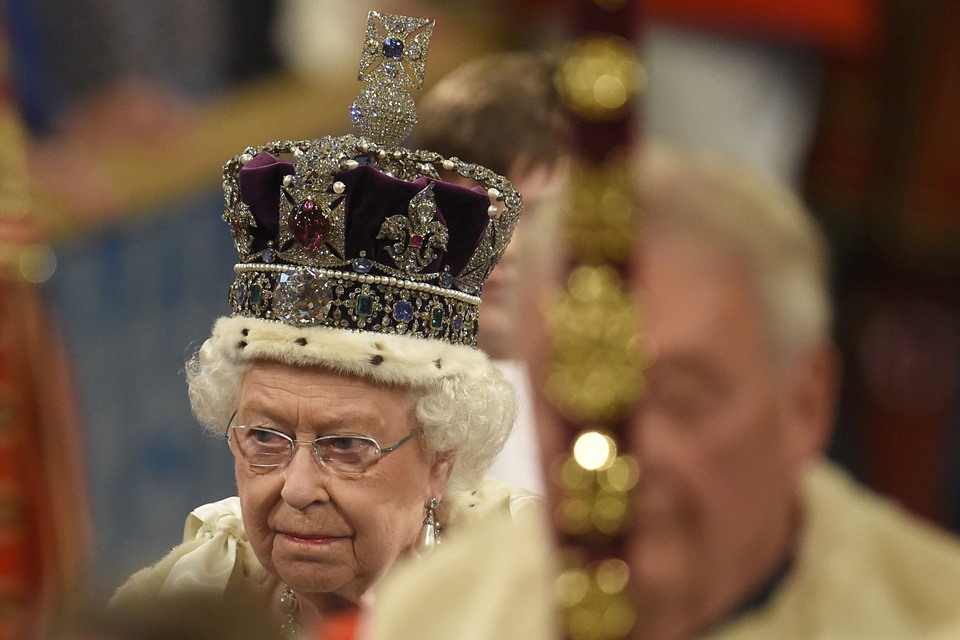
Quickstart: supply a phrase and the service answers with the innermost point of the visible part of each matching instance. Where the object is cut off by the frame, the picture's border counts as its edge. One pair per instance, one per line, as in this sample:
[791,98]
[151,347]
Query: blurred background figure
[502,111]
[44,527]
[742,528]
[102,73]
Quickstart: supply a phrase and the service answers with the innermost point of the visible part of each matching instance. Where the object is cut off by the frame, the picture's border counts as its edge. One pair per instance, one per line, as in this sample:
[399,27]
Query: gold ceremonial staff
[594,373]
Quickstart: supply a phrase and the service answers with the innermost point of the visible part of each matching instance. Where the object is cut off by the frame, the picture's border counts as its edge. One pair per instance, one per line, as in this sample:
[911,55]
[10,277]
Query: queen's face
[323,534]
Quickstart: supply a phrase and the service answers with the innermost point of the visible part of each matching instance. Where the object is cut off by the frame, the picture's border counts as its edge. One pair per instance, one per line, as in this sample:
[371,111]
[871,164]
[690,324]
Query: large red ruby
[309,226]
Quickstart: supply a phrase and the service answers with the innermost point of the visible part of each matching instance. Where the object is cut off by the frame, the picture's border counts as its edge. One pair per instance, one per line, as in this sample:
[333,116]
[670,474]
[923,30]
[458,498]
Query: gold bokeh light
[594,450]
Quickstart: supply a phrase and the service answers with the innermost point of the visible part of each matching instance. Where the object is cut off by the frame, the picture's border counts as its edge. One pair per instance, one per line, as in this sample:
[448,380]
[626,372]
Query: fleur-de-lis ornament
[417,235]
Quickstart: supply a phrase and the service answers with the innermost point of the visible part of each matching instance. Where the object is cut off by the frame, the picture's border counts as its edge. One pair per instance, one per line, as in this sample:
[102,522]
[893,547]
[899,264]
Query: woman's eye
[341,446]
[268,438]
[345,443]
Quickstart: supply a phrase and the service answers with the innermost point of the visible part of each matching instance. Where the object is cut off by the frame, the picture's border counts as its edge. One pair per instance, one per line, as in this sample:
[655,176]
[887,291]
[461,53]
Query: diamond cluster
[393,60]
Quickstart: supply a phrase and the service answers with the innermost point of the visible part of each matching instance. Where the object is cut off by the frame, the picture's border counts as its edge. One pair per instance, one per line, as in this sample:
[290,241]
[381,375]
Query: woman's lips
[311,539]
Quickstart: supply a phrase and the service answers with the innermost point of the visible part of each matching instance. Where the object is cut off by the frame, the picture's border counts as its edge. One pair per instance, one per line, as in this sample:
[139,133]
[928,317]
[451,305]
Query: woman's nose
[304,480]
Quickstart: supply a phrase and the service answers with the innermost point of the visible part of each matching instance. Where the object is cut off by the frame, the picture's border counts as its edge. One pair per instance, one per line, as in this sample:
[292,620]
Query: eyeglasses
[267,449]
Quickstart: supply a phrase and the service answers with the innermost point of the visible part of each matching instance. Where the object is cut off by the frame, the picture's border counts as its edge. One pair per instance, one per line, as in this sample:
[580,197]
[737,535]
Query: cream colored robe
[864,570]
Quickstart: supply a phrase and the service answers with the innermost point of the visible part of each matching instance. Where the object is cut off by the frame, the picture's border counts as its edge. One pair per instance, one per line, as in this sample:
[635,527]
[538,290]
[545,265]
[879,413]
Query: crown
[357,232]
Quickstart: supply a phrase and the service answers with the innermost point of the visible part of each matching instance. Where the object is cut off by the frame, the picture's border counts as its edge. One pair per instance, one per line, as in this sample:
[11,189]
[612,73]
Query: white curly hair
[730,204]
[463,403]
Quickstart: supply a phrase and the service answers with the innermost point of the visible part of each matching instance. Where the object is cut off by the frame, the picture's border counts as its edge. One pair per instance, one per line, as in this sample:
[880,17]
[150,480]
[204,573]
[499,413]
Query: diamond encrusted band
[364,278]
[310,296]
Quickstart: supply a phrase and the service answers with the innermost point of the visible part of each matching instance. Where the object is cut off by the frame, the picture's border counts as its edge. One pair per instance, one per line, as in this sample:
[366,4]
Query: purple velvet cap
[370,198]
[373,196]
[260,181]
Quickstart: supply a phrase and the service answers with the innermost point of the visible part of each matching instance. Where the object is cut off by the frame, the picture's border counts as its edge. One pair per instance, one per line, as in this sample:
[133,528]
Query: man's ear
[440,470]
[814,384]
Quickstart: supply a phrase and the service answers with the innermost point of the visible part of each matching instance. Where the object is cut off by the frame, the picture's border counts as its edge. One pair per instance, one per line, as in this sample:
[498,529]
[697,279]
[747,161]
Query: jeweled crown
[357,232]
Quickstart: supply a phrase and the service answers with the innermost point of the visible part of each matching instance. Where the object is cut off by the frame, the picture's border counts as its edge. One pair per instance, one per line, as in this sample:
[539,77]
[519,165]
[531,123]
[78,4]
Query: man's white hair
[723,201]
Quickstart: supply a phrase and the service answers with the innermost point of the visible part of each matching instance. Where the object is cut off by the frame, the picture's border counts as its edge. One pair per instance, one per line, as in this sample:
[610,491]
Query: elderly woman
[347,381]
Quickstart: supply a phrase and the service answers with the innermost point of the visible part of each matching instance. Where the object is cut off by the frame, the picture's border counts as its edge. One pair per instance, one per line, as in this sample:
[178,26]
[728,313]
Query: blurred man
[44,527]
[503,112]
[742,529]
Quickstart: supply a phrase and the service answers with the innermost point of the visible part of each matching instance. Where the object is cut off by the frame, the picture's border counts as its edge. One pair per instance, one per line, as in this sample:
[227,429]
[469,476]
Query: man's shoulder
[841,508]
[871,557]
[863,568]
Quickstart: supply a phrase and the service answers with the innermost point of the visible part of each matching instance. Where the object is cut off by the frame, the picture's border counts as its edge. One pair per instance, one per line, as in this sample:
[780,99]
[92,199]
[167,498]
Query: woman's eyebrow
[259,414]
[358,424]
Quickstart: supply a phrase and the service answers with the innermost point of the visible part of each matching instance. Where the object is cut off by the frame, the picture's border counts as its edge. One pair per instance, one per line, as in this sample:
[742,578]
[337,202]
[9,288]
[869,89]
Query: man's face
[716,435]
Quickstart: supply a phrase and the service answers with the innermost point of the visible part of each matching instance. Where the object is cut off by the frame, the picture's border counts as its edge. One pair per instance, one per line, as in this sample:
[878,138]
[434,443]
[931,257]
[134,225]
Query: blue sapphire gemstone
[239,294]
[457,323]
[446,280]
[393,48]
[268,255]
[362,265]
[403,311]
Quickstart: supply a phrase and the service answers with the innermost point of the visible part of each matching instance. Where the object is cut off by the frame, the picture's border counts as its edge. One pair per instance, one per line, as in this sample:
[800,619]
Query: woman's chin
[307,577]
